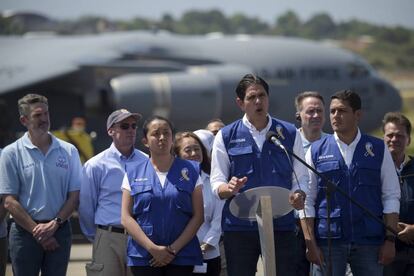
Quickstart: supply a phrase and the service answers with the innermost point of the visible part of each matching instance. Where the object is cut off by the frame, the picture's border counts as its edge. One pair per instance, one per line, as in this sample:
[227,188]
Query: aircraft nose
[378,98]
[388,95]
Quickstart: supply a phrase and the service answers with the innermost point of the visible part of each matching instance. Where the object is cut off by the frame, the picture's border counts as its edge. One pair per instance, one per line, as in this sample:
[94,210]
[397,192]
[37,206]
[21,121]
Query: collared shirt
[101,195]
[40,181]
[390,185]
[210,230]
[406,160]
[305,142]
[220,162]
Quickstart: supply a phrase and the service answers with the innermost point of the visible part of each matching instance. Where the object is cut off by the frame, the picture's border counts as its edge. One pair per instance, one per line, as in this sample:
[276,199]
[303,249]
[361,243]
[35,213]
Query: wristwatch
[58,220]
[390,238]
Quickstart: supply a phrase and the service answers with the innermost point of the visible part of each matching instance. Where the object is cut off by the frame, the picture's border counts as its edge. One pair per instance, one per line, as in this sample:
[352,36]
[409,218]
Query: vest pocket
[142,195]
[241,161]
[322,224]
[184,200]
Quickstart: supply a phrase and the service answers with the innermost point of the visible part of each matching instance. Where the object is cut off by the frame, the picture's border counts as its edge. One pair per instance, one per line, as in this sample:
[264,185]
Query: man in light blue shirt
[310,112]
[101,196]
[40,181]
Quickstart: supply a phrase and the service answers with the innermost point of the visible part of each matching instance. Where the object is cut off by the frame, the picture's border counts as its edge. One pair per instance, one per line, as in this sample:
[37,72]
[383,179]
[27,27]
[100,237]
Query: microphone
[271,136]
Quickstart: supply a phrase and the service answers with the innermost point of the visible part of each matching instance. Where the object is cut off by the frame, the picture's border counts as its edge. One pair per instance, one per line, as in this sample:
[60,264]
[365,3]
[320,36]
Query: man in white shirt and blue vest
[242,159]
[362,166]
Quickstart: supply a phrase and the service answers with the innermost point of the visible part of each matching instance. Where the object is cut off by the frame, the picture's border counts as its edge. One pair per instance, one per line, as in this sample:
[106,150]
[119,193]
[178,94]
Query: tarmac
[82,253]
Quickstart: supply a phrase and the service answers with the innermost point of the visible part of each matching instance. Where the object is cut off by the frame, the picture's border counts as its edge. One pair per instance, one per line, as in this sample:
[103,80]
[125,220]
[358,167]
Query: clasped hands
[161,256]
[43,233]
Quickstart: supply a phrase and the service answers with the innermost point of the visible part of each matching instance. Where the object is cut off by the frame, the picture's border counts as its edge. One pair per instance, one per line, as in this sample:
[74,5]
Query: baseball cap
[119,115]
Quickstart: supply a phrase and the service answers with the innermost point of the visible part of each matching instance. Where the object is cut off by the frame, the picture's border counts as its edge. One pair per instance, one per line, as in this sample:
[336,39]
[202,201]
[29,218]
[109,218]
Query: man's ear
[297,116]
[23,120]
[111,132]
[358,114]
[240,103]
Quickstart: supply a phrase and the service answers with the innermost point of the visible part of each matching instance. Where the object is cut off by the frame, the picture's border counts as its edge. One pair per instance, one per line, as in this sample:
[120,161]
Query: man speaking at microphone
[243,159]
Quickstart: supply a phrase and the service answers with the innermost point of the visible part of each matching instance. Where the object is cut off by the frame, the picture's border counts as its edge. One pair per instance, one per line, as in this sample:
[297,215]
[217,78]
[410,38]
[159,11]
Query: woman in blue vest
[188,146]
[162,207]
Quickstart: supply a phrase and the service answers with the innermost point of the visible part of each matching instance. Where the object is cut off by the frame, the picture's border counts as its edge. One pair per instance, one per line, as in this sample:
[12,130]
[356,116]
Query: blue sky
[382,12]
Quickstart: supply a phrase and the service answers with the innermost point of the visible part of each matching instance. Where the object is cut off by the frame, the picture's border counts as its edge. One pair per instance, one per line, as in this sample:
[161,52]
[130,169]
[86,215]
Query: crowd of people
[166,211]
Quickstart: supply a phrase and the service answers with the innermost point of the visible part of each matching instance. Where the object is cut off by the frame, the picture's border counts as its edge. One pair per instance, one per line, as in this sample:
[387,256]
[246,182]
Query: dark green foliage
[384,47]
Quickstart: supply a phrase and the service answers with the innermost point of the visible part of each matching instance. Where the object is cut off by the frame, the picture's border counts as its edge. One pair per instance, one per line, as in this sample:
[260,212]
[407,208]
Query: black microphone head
[270,134]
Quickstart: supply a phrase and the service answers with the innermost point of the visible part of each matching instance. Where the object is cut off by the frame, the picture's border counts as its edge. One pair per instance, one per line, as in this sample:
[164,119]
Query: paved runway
[81,254]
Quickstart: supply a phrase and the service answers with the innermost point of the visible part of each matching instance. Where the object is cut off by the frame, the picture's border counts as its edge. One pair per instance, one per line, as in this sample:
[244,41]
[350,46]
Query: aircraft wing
[29,60]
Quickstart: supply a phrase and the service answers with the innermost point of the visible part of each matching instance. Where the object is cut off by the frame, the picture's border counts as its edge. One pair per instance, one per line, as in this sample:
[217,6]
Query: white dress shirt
[220,162]
[390,186]
[210,230]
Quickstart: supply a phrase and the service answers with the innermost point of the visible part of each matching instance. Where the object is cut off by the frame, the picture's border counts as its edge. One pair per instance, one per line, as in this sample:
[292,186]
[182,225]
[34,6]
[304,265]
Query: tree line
[383,46]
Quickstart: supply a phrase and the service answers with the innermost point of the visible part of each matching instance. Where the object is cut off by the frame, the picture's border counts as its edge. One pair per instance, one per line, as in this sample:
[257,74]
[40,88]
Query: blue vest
[362,182]
[163,212]
[270,167]
[407,199]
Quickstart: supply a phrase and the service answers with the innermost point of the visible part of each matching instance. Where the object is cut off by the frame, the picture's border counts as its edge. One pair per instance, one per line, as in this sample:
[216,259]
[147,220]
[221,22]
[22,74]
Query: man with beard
[40,179]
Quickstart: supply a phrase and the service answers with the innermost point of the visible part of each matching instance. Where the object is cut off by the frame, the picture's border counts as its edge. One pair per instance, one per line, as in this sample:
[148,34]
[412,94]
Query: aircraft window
[357,71]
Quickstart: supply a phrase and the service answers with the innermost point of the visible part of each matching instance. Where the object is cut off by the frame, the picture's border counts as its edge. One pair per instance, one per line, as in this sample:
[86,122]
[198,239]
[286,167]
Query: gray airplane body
[190,79]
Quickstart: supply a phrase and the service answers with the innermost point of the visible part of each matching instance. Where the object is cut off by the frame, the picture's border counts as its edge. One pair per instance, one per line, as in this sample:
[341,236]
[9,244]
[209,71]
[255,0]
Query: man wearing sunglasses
[101,195]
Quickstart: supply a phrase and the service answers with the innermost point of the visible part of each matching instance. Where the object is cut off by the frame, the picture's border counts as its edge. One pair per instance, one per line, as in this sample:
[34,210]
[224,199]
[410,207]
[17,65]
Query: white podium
[263,204]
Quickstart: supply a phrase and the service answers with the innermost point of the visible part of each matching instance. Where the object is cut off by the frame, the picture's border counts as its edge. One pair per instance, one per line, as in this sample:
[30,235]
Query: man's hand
[314,254]
[227,190]
[297,199]
[236,184]
[49,244]
[386,253]
[406,232]
[44,231]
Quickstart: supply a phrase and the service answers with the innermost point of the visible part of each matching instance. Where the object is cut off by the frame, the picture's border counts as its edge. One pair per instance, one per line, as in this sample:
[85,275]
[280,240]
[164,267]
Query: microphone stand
[330,188]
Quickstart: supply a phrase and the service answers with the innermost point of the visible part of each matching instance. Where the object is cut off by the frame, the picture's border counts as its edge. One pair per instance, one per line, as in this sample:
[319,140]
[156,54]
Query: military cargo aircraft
[190,79]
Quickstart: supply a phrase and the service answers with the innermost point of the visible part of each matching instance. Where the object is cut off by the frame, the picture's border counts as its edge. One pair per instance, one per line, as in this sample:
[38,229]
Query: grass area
[404,81]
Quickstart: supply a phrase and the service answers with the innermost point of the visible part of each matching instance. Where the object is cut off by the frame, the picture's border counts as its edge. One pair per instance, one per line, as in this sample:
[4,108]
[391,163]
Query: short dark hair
[23,104]
[397,118]
[205,164]
[349,96]
[154,118]
[247,81]
[307,94]
[218,120]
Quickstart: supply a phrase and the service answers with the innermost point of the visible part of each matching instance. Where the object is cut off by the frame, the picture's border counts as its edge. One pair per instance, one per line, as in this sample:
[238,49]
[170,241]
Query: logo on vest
[279,132]
[235,141]
[142,179]
[369,150]
[184,175]
[324,157]
[27,166]
[62,163]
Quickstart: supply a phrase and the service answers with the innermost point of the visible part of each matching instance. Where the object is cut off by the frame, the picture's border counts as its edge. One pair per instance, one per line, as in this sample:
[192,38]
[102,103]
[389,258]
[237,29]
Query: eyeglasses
[126,126]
